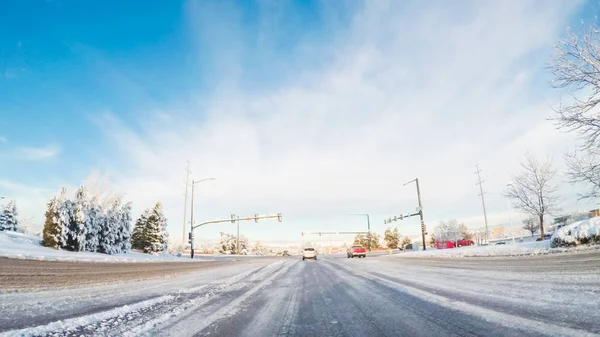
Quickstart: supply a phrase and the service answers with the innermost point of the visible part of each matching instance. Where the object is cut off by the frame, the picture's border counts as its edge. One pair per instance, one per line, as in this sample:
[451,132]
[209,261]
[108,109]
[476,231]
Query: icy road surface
[553,295]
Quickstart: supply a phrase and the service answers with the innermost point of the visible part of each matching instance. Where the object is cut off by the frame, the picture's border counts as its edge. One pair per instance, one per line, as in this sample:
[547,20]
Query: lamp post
[194,182]
[510,213]
[368,229]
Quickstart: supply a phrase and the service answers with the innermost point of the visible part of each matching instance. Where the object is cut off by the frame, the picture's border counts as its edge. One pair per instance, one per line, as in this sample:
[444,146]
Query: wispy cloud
[37,153]
[409,93]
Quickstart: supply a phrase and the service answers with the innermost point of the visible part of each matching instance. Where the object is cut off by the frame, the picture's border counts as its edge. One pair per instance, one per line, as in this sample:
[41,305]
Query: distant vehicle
[546,237]
[286,253]
[408,246]
[309,253]
[500,243]
[356,250]
[461,243]
[443,245]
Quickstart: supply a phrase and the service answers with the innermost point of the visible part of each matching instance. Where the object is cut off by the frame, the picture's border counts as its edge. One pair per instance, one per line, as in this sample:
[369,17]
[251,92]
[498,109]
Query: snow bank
[517,249]
[22,246]
[581,232]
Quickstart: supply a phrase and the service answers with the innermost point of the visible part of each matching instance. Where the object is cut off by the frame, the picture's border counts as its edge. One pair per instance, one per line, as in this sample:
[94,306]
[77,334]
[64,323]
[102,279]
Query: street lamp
[510,212]
[194,182]
[368,227]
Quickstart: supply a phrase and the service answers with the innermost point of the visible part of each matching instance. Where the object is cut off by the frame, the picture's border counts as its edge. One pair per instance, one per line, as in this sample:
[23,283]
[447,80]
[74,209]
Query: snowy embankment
[517,249]
[577,233]
[21,246]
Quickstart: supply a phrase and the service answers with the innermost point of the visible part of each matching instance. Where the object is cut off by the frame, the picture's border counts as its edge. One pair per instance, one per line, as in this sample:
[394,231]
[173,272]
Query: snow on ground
[577,233]
[509,249]
[21,246]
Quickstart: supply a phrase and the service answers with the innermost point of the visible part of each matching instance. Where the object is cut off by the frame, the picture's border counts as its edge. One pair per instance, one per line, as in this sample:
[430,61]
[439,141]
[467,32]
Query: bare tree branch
[532,190]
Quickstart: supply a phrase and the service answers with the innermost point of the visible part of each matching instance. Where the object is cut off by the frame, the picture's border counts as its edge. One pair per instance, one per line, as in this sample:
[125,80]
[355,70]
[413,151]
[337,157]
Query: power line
[481,193]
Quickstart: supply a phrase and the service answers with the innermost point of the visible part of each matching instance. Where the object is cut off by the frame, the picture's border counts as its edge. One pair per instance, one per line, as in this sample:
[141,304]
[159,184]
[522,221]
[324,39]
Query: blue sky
[314,109]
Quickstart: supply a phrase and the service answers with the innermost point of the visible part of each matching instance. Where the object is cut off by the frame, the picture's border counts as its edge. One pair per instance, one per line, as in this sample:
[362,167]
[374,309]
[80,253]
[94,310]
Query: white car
[309,253]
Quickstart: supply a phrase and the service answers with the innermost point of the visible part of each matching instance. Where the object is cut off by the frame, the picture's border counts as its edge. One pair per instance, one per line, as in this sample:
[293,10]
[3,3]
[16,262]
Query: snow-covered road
[554,295]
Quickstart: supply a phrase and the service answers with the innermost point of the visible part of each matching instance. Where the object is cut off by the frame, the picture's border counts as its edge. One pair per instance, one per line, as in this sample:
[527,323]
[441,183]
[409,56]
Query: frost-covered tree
[576,67]
[125,230]
[227,243]
[533,191]
[259,249]
[75,232]
[93,222]
[448,231]
[392,237]
[109,227]
[8,218]
[153,231]
[65,214]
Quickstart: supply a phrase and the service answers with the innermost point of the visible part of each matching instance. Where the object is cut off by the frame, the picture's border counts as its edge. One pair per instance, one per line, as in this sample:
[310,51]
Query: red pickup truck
[356,250]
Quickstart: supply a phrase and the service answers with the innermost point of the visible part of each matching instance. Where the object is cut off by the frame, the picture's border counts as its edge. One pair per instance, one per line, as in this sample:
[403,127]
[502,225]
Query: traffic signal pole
[421,214]
[233,219]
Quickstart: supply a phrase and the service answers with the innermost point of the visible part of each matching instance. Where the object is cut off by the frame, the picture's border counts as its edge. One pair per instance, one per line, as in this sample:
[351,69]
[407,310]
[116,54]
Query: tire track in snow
[504,319]
[202,315]
[125,318]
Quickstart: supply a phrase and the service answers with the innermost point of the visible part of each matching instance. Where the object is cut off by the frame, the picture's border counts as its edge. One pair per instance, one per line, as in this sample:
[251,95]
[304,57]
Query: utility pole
[237,248]
[187,184]
[481,193]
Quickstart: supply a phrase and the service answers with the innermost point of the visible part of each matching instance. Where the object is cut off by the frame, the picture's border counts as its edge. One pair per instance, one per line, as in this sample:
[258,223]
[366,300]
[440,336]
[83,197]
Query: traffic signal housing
[256,218]
[279,217]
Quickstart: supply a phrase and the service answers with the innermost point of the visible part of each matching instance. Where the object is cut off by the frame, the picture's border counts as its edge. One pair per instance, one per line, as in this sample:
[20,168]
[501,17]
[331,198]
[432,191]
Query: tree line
[392,238]
[576,68]
[94,222]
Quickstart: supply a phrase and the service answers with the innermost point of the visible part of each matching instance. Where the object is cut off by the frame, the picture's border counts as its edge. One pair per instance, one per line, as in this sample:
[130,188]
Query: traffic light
[319,233]
[256,218]
[302,233]
[191,237]
[232,218]
[389,220]
[395,218]
[401,216]
[423,228]
[279,218]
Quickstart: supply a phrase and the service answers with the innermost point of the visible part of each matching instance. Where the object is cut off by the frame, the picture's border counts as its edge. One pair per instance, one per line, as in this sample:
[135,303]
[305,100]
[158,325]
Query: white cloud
[37,153]
[412,91]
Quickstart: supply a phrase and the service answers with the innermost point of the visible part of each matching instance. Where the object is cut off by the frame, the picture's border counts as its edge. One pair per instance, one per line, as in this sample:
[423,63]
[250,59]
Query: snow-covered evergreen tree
[165,233]
[153,231]
[108,238]
[125,230]
[76,232]
[8,218]
[93,223]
